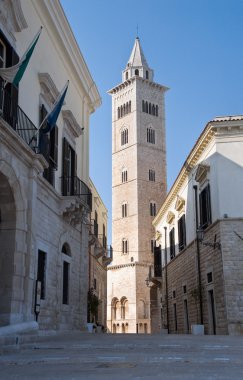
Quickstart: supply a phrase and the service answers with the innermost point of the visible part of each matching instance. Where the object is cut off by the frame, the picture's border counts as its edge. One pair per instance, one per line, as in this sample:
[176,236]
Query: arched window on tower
[156,110]
[130,106]
[127,75]
[147,74]
[124,175]
[143,106]
[150,135]
[149,108]
[118,113]
[127,108]
[124,136]
[153,109]
[124,246]
[136,72]
[124,209]
[152,208]
[146,107]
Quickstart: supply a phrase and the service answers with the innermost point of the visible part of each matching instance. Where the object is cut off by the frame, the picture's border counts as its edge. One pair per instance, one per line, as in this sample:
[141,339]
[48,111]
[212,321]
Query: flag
[52,116]
[14,74]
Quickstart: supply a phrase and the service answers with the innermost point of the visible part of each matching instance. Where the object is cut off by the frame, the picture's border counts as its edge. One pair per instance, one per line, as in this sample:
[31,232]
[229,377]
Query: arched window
[130,106]
[126,75]
[150,135]
[124,308]
[124,136]
[143,106]
[136,72]
[124,246]
[152,175]
[127,108]
[150,108]
[146,107]
[124,209]
[152,208]
[121,111]
[114,304]
[118,113]
[147,74]
[153,109]
[124,175]
[124,109]
[66,249]
[156,110]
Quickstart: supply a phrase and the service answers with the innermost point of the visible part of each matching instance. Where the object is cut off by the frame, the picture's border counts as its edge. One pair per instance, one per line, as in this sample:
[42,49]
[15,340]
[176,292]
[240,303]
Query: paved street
[104,356]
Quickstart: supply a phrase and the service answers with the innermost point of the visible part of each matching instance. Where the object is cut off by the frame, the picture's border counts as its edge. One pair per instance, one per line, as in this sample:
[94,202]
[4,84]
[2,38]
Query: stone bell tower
[138,190]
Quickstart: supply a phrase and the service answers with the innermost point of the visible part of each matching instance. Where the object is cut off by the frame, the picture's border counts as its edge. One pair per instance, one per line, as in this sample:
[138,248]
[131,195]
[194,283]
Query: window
[152,245]
[124,136]
[172,243]
[49,148]
[126,75]
[205,207]
[209,277]
[104,237]
[65,287]
[182,233]
[152,209]
[152,175]
[124,246]
[151,135]
[147,74]
[124,210]
[124,175]
[143,106]
[118,113]
[69,169]
[136,72]
[41,272]
[184,289]
[95,283]
[66,249]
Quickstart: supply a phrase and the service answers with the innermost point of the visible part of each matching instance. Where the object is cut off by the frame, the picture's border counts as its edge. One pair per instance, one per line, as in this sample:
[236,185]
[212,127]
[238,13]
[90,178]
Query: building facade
[199,229]
[45,200]
[100,254]
[138,188]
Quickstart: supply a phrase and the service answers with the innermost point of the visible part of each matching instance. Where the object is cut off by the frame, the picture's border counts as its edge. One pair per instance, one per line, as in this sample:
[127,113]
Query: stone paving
[115,357]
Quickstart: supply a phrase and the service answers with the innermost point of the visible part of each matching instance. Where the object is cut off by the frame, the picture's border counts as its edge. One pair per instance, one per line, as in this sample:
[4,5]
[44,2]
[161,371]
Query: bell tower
[138,190]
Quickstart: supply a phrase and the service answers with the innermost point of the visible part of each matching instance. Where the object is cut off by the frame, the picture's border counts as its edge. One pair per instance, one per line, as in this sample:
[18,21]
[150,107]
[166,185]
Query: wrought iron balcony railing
[75,186]
[11,112]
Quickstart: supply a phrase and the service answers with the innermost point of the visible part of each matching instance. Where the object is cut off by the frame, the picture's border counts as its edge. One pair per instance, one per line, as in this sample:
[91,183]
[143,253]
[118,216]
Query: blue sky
[195,48]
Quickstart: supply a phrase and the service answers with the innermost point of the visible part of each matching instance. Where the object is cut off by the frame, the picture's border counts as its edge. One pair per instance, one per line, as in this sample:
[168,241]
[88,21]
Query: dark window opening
[152,175]
[147,74]
[136,72]
[65,289]
[182,232]
[124,176]
[126,75]
[41,272]
[69,169]
[184,289]
[209,277]
[151,135]
[124,137]
[205,207]
[152,209]
[124,246]
[172,243]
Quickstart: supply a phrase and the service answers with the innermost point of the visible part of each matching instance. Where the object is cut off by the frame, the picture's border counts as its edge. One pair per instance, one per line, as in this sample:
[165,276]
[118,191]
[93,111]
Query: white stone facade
[138,180]
[212,175]
[44,222]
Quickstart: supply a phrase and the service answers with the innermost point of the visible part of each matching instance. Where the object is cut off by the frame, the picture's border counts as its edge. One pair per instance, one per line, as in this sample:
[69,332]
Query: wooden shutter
[157,262]
[65,167]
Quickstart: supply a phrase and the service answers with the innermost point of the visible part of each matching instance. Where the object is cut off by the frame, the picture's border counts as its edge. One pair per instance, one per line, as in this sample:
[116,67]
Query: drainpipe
[166,283]
[198,259]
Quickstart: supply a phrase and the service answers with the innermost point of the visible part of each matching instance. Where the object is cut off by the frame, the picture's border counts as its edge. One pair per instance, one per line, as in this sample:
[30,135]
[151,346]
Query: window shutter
[209,215]
[157,262]
[65,164]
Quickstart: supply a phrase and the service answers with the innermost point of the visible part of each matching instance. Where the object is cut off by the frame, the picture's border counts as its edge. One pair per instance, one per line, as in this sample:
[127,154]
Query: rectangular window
[124,210]
[152,209]
[175,316]
[205,207]
[172,243]
[124,246]
[69,169]
[65,288]
[209,277]
[182,233]
[151,175]
[152,245]
[41,272]
[157,262]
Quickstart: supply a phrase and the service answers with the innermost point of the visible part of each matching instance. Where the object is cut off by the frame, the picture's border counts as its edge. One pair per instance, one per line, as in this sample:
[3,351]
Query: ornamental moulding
[202,172]
[170,217]
[49,90]
[180,203]
[72,123]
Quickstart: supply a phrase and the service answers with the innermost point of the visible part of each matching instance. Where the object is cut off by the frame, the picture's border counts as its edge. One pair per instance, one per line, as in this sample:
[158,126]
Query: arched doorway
[7,244]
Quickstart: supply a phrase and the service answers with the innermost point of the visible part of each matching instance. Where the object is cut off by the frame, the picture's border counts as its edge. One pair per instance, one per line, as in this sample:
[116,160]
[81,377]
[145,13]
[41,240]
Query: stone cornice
[72,123]
[52,14]
[130,81]
[216,127]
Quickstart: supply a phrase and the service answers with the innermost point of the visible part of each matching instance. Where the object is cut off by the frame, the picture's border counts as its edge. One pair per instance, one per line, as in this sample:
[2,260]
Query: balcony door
[69,169]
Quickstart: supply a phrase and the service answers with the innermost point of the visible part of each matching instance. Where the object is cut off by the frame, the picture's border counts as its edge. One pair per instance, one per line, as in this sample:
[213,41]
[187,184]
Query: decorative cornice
[128,82]
[20,22]
[170,217]
[201,172]
[137,264]
[180,203]
[48,88]
[72,123]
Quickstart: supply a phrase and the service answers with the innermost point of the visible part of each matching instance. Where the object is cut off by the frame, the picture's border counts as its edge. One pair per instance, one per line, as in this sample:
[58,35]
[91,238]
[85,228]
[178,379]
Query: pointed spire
[137,57]
[137,64]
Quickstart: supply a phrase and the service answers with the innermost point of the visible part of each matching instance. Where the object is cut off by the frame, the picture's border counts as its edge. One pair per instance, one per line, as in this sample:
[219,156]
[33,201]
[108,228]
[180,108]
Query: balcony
[73,186]
[16,118]
[107,259]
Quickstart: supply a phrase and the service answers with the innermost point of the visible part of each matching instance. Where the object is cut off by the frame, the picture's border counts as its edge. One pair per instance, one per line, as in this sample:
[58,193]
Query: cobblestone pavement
[116,357]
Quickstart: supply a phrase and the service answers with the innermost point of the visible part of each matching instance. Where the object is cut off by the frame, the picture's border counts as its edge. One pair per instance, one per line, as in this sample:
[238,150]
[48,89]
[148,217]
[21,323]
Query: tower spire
[137,64]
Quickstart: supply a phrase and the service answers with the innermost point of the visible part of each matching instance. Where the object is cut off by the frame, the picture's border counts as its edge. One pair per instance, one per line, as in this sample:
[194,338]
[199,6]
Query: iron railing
[74,186]
[11,112]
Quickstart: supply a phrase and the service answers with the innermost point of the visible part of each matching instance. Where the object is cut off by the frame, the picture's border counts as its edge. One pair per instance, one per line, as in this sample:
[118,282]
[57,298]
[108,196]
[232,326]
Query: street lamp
[200,237]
